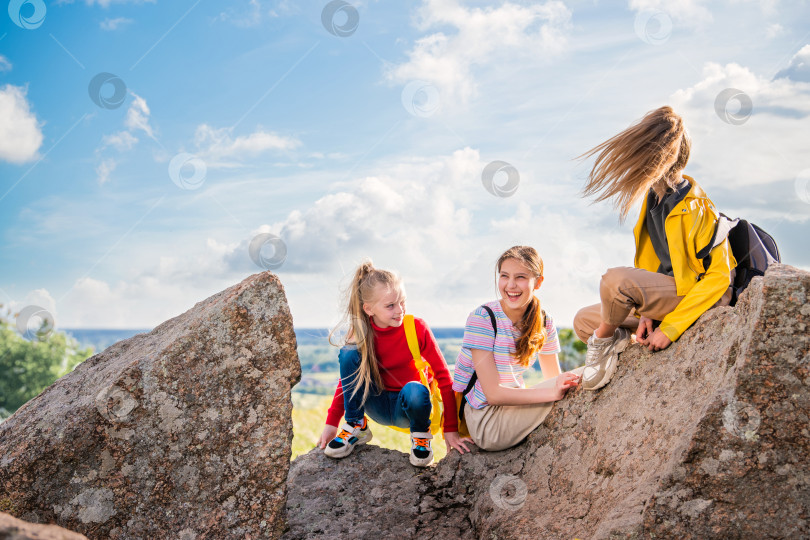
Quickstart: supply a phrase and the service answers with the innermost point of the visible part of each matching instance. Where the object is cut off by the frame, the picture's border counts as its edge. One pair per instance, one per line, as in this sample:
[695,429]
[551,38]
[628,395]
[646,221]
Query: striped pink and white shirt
[478,334]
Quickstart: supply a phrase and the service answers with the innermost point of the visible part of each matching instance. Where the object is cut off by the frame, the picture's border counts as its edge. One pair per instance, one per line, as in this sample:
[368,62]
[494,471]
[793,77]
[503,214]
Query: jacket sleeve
[433,355]
[336,410]
[703,295]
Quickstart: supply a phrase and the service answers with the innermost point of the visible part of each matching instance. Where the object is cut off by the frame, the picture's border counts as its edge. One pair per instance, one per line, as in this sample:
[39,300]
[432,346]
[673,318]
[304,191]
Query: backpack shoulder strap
[494,329]
[721,230]
[491,318]
[413,341]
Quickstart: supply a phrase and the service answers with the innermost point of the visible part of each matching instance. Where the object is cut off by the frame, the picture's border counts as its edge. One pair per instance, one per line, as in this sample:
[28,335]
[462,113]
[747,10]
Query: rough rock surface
[707,439]
[17,529]
[181,433]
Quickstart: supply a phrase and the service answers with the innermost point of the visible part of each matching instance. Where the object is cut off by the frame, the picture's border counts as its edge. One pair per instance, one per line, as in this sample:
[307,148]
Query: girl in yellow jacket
[668,284]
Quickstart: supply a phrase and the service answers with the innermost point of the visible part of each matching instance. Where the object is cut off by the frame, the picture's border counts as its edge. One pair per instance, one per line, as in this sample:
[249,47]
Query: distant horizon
[101,338]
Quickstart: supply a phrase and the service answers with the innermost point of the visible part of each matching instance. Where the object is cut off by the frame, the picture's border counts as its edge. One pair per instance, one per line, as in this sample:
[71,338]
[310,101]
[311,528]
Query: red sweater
[397,369]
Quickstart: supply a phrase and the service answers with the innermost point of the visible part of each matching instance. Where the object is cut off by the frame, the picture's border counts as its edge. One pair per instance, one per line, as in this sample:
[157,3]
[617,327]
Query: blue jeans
[408,408]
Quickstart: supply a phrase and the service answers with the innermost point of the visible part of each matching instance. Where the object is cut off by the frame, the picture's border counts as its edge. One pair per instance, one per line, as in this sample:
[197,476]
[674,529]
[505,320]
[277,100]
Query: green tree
[573,350]
[28,367]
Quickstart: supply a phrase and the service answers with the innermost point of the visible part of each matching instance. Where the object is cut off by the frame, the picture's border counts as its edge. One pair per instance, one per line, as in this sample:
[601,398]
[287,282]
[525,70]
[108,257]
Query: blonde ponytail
[364,289]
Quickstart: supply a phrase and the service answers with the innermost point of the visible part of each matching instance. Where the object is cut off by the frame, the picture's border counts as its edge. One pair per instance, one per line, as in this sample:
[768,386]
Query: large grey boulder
[706,439]
[181,433]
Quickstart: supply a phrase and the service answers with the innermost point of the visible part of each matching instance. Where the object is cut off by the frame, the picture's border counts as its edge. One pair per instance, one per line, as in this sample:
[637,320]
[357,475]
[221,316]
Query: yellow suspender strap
[433,387]
[413,341]
[413,345]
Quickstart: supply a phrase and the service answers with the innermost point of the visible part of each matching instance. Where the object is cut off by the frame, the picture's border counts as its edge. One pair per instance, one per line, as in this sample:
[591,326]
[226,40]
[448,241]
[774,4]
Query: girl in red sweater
[378,376]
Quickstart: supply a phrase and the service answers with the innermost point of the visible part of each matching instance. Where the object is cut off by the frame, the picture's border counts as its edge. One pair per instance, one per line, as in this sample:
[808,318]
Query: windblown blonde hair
[649,154]
[531,325]
[367,285]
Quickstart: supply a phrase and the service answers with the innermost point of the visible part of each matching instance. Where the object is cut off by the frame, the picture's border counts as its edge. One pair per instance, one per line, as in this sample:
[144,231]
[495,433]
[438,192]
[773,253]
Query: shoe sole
[423,462]
[346,450]
[617,349]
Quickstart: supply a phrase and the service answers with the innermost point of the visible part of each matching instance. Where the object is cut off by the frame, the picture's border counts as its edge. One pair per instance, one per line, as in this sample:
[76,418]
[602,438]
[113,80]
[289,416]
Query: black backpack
[753,248]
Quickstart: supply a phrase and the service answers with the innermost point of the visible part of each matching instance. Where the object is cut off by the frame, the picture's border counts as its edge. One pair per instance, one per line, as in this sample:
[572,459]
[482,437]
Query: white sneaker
[347,438]
[421,452]
[600,361]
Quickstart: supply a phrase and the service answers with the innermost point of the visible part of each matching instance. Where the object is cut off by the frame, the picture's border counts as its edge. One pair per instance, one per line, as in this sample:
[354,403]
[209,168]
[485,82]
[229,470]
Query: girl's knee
[415,391]
[612,281]
[415,395]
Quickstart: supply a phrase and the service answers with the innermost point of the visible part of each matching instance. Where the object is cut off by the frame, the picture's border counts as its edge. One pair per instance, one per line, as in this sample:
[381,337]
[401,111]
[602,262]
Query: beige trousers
[497,427]
[625,291]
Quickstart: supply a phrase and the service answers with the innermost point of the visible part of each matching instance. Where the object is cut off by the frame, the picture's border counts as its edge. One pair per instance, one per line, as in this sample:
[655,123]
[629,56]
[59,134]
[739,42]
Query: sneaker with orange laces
[349,436]
[421,452]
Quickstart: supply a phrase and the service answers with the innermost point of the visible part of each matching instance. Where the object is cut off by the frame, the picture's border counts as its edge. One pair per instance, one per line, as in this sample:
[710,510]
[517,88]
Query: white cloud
[430,219]
[122,141]
[104,169]
[483,35]
[766,147]
[218,147]
[799,67]
[20,133]
[138,116]
[5,65]
[690,12]
[114,24]
[137,119]
[32,319]
[774,30]
[156,294]
[36,297]
[93,303]
[247,17]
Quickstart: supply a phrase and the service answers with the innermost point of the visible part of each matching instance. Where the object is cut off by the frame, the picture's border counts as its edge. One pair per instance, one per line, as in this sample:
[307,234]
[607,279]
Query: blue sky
[369,144]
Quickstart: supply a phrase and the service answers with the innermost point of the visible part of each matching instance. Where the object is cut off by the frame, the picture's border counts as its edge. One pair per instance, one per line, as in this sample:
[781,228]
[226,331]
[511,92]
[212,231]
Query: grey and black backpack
[753,248]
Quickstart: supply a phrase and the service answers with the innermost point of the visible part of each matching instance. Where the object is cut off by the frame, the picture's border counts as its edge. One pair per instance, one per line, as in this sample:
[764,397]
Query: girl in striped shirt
[500,411]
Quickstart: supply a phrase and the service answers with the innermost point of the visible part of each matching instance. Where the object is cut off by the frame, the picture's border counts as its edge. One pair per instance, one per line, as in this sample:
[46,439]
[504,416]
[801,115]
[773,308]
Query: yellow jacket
[689,228]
